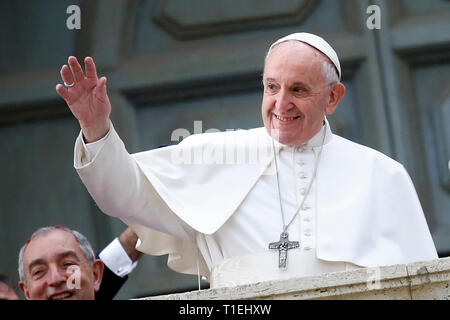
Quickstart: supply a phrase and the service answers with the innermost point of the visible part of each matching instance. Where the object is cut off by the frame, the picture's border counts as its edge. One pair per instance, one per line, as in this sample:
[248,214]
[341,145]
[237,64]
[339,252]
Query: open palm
[87,98]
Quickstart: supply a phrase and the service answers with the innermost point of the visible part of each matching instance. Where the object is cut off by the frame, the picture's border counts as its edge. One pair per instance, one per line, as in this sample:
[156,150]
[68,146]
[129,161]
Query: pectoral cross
[283,246]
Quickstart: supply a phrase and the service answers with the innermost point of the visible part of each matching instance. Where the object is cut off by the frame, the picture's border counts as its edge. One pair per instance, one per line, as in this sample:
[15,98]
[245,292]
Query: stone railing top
[413,281]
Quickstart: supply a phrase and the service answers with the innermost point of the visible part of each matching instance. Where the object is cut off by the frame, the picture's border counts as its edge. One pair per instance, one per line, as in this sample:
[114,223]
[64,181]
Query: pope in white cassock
[288,200]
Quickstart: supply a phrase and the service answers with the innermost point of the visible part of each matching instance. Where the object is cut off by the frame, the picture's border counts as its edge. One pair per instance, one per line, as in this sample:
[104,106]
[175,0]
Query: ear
[97,268]
[23,287]
[336,93]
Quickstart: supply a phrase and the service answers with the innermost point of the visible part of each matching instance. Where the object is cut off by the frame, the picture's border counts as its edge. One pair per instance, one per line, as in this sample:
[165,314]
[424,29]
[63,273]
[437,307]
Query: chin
[288,139]
[289,142]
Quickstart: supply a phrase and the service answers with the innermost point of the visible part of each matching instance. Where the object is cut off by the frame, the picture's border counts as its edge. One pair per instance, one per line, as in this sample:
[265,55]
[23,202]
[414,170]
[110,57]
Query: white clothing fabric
[362,209]
[260,266]
[116,259]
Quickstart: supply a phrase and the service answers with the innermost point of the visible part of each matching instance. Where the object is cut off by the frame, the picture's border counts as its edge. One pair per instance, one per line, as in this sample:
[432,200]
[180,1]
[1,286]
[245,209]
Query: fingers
[62,91]
[91,71]
[101,89]
[66,75]
[76,69]
[74,73]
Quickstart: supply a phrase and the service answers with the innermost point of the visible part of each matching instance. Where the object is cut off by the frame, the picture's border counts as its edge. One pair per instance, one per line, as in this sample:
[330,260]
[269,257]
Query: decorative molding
[430,34]
[188,19]
[200,88]
[50,109]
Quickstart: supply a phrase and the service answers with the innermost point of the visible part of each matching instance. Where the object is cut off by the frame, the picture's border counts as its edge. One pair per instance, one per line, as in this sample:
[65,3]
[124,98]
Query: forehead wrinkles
[62,242]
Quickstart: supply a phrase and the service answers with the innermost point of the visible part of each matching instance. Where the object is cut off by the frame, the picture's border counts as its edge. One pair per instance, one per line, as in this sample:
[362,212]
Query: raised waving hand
[86,96]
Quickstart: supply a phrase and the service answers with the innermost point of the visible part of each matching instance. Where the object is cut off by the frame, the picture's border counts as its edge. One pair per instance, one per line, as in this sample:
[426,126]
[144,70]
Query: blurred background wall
[172,62]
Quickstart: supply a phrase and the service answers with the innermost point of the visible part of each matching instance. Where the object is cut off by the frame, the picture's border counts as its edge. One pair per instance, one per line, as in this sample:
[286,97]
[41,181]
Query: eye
[298,90]
[271,87]
[37,272]
[68,263]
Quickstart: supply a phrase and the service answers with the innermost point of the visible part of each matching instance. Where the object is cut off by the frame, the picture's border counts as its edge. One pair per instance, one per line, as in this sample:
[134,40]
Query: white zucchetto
[316,42]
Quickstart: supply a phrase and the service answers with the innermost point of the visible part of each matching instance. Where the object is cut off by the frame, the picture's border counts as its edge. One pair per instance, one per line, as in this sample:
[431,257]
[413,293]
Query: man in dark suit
[120,258]
[57,263]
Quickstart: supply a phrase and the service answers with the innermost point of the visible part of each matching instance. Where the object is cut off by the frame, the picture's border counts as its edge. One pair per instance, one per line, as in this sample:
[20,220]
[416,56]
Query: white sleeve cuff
[93,148]
[116,259]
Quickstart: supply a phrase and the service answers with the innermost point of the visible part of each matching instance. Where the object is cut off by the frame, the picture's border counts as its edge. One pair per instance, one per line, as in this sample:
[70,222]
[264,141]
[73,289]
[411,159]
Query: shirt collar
[314,142]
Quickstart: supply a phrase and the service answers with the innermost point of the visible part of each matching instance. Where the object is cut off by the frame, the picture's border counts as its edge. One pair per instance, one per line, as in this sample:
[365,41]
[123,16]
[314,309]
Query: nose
[283,103]
[56,276]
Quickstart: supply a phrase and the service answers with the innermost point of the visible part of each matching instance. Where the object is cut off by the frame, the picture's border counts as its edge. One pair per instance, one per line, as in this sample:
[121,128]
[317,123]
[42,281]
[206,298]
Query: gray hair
[328,68]
[82,241]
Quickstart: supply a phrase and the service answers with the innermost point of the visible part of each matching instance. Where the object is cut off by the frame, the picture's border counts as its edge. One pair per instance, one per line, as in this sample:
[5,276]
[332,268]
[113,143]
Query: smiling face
[296,93]
[56,268]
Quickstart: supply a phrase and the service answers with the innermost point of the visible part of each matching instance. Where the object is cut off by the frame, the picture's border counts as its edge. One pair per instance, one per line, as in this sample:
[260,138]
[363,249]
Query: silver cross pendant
[283,246]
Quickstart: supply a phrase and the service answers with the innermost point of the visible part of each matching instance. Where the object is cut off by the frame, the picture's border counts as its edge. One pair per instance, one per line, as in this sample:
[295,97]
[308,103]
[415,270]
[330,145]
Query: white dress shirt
[116,259]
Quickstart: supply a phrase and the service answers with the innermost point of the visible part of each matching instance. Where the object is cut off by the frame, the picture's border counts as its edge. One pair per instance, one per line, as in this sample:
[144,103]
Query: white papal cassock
[211,203]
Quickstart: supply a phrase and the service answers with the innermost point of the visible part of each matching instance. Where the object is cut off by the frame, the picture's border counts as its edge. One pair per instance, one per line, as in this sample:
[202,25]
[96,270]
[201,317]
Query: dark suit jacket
[110,285]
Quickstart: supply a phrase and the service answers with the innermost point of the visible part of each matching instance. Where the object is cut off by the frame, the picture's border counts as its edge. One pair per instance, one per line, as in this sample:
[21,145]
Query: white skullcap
[316,42]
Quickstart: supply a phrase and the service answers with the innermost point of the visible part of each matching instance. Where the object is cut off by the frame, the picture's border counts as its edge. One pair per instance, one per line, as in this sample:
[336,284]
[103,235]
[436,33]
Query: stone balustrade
[414,281]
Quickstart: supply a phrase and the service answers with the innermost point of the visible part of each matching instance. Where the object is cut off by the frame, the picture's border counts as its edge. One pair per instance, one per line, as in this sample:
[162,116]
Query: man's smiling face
[296,93]
[50,260]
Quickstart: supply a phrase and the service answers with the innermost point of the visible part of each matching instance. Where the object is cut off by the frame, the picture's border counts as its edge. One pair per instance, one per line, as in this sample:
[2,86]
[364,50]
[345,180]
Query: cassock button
[307,248]
[307,219]
[307,234]
[302,175]
[300,162]
[303,191]
[305,207]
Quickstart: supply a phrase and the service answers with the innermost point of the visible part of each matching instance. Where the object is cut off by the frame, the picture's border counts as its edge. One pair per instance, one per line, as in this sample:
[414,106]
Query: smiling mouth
[62,296]
[286,119]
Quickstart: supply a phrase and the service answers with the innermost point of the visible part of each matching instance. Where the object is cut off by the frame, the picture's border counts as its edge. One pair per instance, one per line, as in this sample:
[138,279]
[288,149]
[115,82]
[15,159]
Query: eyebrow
[303,85]
[59,256]
[299,83]
[296,83]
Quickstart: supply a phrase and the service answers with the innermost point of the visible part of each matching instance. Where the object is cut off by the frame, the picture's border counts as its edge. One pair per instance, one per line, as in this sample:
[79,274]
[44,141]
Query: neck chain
[284,244]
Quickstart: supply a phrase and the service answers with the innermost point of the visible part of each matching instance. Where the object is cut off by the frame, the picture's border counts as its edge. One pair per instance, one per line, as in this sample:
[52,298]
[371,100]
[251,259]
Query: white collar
[314,142]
